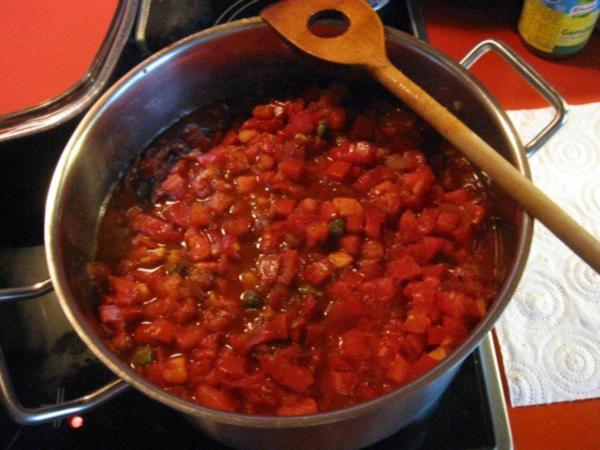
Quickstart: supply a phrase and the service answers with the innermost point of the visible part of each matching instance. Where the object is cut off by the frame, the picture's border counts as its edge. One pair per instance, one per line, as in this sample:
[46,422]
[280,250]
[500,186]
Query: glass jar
[558,28]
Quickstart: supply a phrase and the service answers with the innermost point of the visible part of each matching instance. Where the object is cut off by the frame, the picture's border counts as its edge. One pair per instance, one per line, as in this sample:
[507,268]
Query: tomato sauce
[301,255]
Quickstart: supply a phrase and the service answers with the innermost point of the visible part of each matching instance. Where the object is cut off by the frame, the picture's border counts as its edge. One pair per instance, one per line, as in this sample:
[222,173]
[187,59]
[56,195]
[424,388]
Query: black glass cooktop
[48,363]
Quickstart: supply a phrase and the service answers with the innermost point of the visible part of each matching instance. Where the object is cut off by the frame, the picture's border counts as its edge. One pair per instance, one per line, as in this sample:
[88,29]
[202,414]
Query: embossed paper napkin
[550,332]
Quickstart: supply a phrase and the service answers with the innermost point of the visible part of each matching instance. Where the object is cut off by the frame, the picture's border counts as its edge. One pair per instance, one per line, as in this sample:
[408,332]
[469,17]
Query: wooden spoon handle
[486,158]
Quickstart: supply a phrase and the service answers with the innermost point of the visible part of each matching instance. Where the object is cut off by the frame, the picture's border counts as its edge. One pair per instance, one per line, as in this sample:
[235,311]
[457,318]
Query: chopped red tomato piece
[405,268]
[361,152]
[155,228]
[347,206]
[291,168]
[284,206]
[317,272]
[338,170]
[302,407]
[215,398]
[307,258]
[160,330]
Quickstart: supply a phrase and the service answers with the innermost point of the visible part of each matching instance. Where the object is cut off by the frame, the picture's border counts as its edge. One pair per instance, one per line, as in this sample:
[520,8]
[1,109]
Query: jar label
[558,26]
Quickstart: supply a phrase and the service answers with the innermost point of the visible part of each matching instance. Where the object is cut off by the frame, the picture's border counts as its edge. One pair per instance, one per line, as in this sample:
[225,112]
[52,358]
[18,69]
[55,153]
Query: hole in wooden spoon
[328,23]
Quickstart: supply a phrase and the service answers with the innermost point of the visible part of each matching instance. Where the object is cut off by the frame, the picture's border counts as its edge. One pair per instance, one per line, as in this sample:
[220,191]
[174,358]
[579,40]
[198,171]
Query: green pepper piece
[323,130]
[143,355]
[252,299]
[337,228]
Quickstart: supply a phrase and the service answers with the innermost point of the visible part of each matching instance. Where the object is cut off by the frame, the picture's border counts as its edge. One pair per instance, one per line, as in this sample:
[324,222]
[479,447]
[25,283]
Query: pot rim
[89,335]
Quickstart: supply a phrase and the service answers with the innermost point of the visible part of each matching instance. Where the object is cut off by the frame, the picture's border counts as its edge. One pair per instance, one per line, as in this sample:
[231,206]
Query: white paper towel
[550,332]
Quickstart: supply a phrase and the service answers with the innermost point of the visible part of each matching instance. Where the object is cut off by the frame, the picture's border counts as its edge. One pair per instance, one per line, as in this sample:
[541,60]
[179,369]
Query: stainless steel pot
[220,62]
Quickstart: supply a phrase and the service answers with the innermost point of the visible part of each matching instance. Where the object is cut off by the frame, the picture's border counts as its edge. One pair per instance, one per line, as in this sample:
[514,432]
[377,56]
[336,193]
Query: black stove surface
[48,363]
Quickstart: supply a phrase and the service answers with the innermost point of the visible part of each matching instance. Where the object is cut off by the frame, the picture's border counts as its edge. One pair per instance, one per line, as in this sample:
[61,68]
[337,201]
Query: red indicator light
[76,422]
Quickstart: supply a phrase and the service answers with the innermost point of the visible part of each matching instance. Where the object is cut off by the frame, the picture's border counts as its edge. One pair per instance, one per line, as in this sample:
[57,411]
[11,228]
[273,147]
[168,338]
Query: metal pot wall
[217,63]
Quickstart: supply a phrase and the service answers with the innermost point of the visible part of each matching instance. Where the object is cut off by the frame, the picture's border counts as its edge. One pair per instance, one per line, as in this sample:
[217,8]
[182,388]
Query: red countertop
[45,47]
[455,31]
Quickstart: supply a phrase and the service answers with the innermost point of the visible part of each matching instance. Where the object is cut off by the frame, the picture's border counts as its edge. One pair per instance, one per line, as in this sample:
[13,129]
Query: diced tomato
[116,313]
[175,371]
[155,228]
[338,170]
[383,289]
[293,376]
[238,226]
[416,343]
[300,123]
[350,244]
[231,363]
[453,303]
[291,168]
[189,337]
[198,244]
[336,118]
[416,324]
[127,291]
[434,270]
[317,272]
[408,230]
[263,112]
[424,364]
[302,407]
[354,345]
[302,263]
[219,202]
[405,268]
[265,162]
[284,206]
[457,197]
[419,181]
[268,268]
[347,206]
[400,369]
[327,211]
[245,184]
[446,222]
[355,223]
[289,261]
[316,232]
[361,152]
[372,249]
[374,222]
[160,330]
[271,331]
[268,125]
[343,383]
[215,398]
[425,250]
[200,215]
[370,268]
[179,214]
[174,186]
[229,138]
[345,301]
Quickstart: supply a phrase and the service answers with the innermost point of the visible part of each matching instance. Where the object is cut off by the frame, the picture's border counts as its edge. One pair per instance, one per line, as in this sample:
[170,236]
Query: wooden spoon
[363,44]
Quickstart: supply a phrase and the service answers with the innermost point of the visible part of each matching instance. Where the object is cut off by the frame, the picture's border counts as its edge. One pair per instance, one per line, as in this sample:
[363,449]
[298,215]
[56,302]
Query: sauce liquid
[302,347]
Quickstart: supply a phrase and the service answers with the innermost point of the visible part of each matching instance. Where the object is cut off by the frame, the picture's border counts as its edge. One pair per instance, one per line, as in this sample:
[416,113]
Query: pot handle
[539,84]
[21,293]
[32,416]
